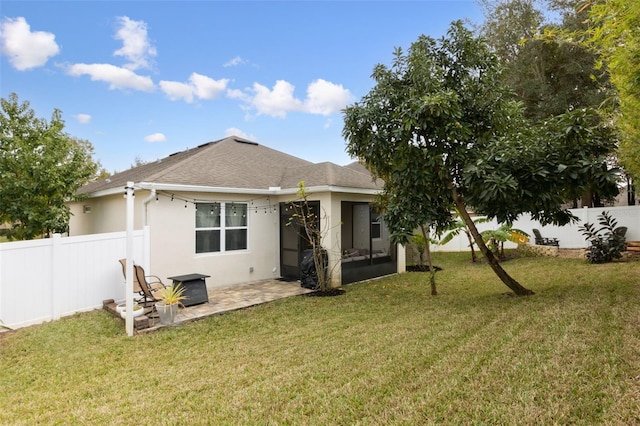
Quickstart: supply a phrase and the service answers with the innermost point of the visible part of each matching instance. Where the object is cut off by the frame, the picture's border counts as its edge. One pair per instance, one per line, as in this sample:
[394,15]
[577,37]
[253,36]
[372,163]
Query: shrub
[606,243]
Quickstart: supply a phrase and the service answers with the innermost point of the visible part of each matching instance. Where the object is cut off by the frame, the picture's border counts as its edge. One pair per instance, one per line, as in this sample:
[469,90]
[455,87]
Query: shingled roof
[235,162]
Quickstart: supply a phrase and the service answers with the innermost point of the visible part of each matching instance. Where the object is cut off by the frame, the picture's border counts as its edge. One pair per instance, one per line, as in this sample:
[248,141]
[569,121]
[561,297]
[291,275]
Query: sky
[141,80]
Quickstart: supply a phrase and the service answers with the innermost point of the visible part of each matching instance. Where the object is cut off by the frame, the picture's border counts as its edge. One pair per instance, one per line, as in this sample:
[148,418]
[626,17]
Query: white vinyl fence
[569,235]
[43,280]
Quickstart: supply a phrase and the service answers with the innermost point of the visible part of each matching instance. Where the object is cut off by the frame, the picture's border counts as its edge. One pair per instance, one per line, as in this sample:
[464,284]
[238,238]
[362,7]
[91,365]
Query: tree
[434,120]
[41,168]
[422,242]
[613,34]
[549,74]
[508,25]
[307,223]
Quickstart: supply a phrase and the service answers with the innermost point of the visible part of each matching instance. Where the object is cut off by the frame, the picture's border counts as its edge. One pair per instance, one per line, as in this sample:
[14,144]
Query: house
[223,209]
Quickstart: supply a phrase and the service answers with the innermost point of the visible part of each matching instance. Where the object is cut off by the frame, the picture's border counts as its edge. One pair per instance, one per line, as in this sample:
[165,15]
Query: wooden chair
[541,241]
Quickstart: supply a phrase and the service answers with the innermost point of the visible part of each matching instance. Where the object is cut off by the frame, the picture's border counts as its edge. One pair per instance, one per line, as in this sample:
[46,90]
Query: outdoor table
[195,288]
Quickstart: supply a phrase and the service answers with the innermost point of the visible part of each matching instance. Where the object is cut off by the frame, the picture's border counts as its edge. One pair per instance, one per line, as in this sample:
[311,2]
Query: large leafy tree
[509,24]
[614,34]
[41,168]
[440,129]
[549,74]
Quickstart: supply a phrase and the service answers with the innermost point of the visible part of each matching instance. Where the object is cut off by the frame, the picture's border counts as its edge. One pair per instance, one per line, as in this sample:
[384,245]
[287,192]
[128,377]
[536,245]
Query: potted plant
[167,307]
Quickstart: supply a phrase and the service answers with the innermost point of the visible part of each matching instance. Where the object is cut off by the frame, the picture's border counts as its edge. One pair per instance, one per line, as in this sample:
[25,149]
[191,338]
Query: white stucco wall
[173,242]
[172,233]
[105,214]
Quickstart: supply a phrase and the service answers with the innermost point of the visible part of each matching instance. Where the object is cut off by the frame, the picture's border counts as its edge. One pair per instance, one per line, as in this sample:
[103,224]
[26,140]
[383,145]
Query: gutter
[153,187]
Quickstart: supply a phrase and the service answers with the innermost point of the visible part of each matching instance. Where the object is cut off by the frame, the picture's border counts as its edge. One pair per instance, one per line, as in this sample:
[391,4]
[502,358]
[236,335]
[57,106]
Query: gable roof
[235,162]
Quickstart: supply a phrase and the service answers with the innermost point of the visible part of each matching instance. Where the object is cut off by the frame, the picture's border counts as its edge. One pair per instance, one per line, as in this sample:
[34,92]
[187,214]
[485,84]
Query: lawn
[386,352]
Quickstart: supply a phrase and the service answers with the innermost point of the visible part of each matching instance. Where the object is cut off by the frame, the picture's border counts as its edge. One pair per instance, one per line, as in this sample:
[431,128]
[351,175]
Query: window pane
[375,230]
[207,241]
[208,215]
[235,215]
[235,239]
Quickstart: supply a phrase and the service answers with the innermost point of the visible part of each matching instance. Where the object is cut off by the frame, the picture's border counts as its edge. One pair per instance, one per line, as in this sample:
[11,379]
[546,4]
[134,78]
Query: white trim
[226,190]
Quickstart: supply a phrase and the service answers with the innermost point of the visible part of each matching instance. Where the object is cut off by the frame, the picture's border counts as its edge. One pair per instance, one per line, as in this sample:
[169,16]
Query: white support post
[129,272]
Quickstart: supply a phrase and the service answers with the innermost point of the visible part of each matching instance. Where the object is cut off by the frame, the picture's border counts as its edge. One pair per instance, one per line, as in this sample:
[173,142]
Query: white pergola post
[129,272]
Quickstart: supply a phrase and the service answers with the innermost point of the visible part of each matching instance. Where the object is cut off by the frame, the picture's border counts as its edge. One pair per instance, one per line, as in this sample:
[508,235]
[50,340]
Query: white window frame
[223,228]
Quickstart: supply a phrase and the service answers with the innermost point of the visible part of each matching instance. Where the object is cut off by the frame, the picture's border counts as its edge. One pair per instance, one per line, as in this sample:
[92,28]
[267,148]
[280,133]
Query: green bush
[606,243]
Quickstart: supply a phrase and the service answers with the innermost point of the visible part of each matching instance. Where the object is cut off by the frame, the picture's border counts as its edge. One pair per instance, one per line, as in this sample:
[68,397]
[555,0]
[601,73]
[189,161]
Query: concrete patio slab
[224,299]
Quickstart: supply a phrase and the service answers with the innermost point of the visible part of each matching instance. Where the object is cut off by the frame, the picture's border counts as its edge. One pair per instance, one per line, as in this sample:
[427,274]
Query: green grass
[384,353]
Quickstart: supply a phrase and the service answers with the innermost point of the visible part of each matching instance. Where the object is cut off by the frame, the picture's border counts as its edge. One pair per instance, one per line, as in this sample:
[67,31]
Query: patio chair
[150,289]
[542,241]
[147,290]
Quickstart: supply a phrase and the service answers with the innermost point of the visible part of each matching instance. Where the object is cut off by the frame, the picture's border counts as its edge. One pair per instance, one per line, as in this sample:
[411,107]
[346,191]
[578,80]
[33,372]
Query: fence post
[1,290]
[56,271]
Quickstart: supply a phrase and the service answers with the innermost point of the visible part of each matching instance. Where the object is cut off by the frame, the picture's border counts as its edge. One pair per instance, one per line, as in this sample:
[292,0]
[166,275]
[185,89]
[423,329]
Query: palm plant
[459,226]
[495,238]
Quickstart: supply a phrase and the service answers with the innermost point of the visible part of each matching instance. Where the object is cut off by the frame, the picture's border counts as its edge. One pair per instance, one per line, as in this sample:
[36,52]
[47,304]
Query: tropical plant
[605,243]
[495,238]
[459,226]
[172,294]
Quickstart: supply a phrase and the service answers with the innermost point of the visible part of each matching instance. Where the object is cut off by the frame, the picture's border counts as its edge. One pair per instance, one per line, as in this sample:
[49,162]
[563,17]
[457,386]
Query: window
[376,226]
[221,227]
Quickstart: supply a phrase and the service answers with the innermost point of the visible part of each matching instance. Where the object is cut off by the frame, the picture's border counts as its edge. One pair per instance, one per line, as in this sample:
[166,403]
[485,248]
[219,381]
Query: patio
[222,300]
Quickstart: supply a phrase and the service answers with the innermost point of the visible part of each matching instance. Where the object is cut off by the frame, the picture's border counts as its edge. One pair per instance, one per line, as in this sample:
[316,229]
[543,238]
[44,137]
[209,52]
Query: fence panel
[43,280]
[569,235]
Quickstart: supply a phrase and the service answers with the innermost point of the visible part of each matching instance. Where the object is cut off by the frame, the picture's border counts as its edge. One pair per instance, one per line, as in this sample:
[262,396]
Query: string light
[217,204]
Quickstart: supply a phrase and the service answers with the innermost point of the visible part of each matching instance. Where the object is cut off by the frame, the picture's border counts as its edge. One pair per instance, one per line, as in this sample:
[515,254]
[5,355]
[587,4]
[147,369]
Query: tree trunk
[432,271]
[514,285]
[473,251]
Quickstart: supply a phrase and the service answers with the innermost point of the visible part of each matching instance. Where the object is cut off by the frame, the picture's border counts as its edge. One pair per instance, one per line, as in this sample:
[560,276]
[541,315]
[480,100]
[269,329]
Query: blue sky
[144,79]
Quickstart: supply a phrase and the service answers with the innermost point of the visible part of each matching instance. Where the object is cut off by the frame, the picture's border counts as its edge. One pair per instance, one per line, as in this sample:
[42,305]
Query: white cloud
[324,97]
[234,62]
[176,90]
[276,102]
[136,47]
[83,118]
[24,48]
[233,131]
[238,94]
[155,137]
[199,86]
[117,77]
[207,88]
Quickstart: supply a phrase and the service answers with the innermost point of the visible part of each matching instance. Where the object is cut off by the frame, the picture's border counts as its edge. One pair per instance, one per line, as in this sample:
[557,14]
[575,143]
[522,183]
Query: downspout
[145,206]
